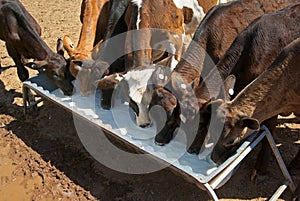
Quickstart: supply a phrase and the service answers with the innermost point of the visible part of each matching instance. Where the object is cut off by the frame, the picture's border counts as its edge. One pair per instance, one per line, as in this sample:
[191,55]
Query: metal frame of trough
[44,89]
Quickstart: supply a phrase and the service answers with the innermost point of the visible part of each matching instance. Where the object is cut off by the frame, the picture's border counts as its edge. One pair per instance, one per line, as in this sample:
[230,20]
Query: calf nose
[69,92]
[145,125]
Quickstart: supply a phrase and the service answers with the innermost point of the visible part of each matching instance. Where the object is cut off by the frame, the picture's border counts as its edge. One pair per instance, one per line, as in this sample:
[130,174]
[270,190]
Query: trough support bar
[216,181]
[212,184]
[211,191]
[279,191]
[25,99]
[280,162]
[27,103]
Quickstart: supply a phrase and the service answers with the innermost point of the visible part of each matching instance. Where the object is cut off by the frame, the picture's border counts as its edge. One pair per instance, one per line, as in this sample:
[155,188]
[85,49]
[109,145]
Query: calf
[259,101]
[21,34]
[94,18]
[213,37]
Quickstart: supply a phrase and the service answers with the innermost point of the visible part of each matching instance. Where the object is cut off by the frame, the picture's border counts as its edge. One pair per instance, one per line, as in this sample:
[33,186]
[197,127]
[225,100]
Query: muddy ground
[42,158]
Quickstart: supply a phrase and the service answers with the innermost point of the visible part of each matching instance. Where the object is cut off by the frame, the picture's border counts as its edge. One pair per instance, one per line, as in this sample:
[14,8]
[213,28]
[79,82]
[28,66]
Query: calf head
[186,97]
[83,68]
[171,97]
[164,98]
[159,76]
[69,46]
[89,73]
[107,85]
[237,126]
[140,92]
[56,69]
[161,91]
[136,88]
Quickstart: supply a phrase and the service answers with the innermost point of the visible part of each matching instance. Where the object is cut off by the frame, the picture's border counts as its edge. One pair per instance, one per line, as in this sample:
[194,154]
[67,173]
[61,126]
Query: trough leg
[297,193]
[211,191]
[263,158]
[29,100]
[25,99]
[280,162]
[295,165]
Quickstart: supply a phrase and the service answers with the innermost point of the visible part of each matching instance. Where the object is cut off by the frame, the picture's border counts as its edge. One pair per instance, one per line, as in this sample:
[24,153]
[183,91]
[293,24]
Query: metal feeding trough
[117,123]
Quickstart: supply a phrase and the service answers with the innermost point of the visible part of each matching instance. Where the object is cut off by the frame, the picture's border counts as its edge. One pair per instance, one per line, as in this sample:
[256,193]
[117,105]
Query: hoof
[165,135]
[162,140]
[194,150]
[160,144]
[105,106]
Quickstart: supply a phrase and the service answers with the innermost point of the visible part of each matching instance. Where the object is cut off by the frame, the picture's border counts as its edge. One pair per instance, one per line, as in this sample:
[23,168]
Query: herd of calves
[205,63]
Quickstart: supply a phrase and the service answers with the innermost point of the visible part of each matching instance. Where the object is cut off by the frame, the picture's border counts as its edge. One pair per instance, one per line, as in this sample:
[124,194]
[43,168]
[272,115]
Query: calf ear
[68,45]
[212,104]
[161,75]
[177,83]
[165,62]
[60,47]
[109,82]
[193,84]
[78,63]
[84,64]
[229,86]
[251,123]
[36,65]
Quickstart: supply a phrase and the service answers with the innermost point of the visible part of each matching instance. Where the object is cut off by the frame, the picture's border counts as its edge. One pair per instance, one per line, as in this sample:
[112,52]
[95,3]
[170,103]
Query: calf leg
[297,193]
[294,166]
[264,155]
[166,133]
[22,71]
[199,140]
[294,169]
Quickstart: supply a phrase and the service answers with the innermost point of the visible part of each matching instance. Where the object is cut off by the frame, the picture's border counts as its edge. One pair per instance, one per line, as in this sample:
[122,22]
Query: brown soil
[42,158]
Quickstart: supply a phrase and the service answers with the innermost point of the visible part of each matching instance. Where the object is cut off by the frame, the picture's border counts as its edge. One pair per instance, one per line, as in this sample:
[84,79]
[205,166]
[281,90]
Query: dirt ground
[42,158]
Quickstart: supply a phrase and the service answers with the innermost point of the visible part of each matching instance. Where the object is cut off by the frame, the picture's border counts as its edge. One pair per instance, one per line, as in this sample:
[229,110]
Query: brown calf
[22,36]
[259,101]
[251,53]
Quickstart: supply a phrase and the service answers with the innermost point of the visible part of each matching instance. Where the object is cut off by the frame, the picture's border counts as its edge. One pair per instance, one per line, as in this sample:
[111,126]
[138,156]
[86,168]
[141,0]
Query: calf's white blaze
[223,1]
[138,3]
[119,78]
[137,82]
[174,63]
